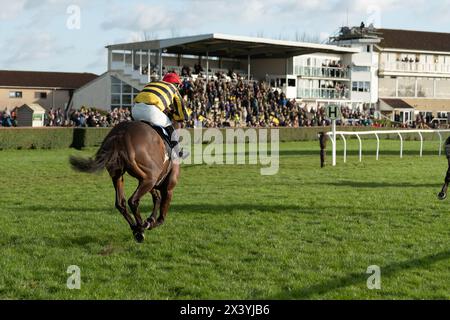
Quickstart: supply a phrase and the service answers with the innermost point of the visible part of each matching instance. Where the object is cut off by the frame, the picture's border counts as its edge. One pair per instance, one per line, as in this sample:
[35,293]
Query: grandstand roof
[37,79]
[231,46]
[414,40]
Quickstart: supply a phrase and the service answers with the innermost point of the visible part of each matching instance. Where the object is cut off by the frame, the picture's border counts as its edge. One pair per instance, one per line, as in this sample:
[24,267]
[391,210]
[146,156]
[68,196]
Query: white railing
[377,134]
[415,67]
[322,93]
[322,72]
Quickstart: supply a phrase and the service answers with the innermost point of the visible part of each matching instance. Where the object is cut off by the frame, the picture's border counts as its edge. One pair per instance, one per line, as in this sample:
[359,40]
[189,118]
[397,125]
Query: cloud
[33,47]
[11,9]
[140,17]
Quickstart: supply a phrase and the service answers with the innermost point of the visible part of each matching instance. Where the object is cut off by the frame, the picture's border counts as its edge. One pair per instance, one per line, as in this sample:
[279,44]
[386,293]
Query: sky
[71,35]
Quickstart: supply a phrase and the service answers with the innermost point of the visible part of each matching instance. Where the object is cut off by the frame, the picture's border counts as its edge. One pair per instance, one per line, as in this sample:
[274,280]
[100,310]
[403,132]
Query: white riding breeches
[150,113]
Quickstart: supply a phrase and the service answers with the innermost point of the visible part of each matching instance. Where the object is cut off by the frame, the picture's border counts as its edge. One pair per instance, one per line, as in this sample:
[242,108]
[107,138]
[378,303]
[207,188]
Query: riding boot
[174,143]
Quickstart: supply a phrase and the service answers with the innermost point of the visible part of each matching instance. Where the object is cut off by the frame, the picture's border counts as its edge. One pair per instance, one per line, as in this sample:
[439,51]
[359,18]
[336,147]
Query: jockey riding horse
[160,104]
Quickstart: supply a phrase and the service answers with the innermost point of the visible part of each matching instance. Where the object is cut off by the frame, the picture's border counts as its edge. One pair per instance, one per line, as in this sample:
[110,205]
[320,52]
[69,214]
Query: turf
[305,233]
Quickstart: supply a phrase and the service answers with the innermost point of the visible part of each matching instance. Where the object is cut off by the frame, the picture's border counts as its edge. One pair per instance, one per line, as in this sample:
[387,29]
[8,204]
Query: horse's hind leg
[121,203]
[151,221]
[145,186]
[167,194]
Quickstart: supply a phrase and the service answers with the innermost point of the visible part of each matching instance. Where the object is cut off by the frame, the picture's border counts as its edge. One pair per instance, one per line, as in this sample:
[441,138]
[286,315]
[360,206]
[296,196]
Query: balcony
[329,94]
[323,72]
[415,67]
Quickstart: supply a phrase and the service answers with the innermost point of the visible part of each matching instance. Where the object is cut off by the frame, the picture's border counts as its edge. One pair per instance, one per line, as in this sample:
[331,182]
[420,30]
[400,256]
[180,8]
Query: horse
[443,194]
[323,146]
[136,148]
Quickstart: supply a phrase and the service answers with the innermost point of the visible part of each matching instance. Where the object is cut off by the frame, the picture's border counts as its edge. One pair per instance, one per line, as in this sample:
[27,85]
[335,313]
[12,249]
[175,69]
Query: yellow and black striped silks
[166,97]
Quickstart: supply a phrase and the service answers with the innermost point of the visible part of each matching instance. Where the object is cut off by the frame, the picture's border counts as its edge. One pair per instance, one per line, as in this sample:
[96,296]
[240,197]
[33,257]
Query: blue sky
[35,33]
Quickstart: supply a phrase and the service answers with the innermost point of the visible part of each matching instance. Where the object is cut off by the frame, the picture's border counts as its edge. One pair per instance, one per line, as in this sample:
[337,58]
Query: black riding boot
[174,144]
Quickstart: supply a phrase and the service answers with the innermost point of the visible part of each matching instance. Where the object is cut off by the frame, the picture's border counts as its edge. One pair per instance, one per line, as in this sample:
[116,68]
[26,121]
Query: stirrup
[184,154]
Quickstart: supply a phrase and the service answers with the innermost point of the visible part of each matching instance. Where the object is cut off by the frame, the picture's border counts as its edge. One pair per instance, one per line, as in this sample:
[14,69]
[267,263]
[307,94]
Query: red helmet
[172,78]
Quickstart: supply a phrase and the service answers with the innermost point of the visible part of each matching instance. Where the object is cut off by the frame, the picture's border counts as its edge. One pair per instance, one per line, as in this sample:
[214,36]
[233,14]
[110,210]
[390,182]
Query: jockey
[159,104]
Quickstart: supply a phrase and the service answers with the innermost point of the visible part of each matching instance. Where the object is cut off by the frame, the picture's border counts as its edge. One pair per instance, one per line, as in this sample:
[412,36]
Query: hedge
[53,138]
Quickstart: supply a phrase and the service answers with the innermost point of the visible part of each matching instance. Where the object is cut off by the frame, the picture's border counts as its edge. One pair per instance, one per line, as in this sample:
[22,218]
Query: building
[400,73]
[30,115]
[411,70]
[132,65]
[48,89]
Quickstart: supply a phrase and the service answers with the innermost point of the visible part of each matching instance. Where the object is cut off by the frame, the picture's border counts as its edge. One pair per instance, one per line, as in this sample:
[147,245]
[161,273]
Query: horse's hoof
[442,196]
[139,237]
[149,224]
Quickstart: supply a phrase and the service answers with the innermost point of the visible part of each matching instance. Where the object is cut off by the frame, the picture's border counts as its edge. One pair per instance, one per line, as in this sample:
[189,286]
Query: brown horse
[137,149]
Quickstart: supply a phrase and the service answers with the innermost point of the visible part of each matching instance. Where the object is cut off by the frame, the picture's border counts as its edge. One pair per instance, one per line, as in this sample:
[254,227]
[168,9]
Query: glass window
[360,69]
[114,80]
[15,94]
[115,88]
[406,87]
[360,86]
[126,99]
[40,95]
[126,88]
[443,88]
[425,88]
[355,86]
[115,99]
[291,83]
[387,87]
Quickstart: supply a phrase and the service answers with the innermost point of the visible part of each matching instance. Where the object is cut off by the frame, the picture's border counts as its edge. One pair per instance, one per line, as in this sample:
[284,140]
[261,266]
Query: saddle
[164,136]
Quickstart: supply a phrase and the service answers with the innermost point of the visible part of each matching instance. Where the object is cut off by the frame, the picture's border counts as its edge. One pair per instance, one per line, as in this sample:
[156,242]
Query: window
[360,69]
[40,95]
[360,86]
[126,99]
[15,94]
[115,88]
[126,88]
[115,99]
[291,82]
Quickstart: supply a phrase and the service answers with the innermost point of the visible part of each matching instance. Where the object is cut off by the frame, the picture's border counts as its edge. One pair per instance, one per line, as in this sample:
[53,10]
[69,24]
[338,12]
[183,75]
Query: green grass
[306,233]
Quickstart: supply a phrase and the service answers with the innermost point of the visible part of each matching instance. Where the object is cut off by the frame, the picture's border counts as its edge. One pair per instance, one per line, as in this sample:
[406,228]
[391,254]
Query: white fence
[377,135]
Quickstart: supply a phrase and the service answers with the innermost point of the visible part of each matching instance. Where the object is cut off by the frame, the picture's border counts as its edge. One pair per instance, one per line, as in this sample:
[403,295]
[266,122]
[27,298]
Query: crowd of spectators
[238,103]
[215,103]
[7,118]
[95,118]
[225,100]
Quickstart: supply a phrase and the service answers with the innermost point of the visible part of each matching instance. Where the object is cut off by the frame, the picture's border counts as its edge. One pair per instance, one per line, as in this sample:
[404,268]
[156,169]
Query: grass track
[306,233]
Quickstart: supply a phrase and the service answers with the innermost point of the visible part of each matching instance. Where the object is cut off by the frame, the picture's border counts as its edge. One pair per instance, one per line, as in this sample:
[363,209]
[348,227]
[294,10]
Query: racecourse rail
[377,134]
[58,138]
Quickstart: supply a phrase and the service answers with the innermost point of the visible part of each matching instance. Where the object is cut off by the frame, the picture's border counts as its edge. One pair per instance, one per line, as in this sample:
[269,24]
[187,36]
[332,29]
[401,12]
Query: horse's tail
[106,155]
[87,165]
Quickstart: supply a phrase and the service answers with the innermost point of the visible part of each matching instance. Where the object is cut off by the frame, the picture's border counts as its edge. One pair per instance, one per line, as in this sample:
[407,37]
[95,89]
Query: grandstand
[132,65]
[359,68]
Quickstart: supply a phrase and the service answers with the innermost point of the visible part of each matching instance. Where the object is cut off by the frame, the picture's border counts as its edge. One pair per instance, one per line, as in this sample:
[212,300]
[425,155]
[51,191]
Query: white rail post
[421,144]
[440,143]
[360,147]
[334,143]
[378,146]
[401,145]
[345,147]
